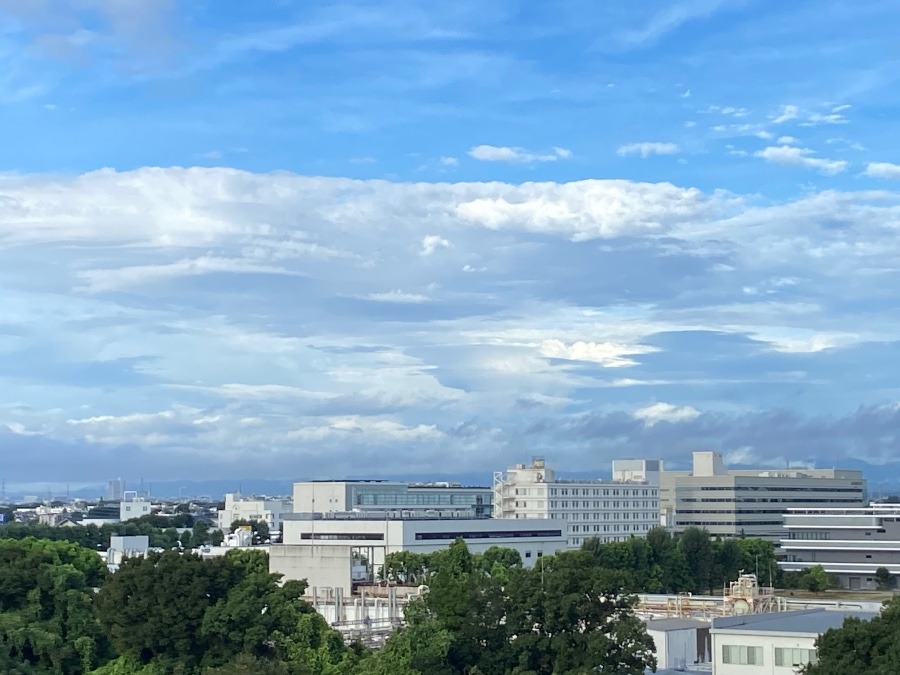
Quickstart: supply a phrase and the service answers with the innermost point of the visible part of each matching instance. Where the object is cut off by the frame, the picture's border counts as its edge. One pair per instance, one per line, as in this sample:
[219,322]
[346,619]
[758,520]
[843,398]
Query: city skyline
[388,239]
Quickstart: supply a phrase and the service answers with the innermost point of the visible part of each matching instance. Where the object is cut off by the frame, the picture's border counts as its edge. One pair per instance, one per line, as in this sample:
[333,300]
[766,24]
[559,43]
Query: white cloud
[883,170]
[815,119]
[588,209]
[368,431]
[432,243]
[398,296]
[607,354]
[494,153]
[787,140]
[669,19]
[448,161]
[666,412]
[646,149]
[788,113]
[726,110]
[794,156]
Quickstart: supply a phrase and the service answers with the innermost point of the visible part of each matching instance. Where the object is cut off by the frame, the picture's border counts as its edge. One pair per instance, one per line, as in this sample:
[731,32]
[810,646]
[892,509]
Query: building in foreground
[418,499]
[680,642]
[851,544]
[607,509]
[772,644]
[346,550]
[733,503]
[262,509]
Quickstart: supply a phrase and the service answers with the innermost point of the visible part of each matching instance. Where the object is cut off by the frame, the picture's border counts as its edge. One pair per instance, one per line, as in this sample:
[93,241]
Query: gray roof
[675,624]
[811,621]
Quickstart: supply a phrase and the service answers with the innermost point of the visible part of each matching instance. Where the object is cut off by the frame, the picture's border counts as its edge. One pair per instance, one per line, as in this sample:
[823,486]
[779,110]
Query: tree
[420,648]
[47,622]
[697,548]
[884,579]
[863,647]
[405,567]
[816,579]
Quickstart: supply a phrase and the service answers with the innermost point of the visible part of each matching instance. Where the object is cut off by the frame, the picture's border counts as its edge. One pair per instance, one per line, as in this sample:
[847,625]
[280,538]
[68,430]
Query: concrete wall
[322,497]
[321,566]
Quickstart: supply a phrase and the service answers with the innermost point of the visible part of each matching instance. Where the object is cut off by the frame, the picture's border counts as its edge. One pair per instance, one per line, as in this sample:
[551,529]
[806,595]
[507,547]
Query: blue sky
[286,239]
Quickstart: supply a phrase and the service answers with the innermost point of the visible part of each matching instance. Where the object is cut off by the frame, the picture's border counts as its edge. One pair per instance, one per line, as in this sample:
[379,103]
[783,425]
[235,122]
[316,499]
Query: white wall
[675,647]
[133,509]
[321,497]
[767,641]
[326,566]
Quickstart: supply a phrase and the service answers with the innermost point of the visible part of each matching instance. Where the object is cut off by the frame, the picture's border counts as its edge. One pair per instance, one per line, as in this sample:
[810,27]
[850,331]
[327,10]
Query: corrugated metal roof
[813,621]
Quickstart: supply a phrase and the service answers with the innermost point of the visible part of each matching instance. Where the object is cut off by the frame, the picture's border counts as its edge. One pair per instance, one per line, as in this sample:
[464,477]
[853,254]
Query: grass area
[835,594]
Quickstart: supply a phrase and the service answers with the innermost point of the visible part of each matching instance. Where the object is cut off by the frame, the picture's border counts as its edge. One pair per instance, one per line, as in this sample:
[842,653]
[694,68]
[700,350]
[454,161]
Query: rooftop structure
[731,503]
[382,495]
[848,543]
[607,509]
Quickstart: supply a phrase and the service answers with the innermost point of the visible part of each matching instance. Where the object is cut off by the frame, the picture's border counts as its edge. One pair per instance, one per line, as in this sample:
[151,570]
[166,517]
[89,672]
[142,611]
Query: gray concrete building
[732,503]
[848,543]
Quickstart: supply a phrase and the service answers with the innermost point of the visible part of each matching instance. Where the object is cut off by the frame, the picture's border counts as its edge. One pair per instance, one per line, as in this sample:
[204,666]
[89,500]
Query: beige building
[607,509]
[732,503]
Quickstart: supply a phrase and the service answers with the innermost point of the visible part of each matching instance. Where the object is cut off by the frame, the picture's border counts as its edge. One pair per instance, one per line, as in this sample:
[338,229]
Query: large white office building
[343,550]
[611,510]
[750,502]
[415,499]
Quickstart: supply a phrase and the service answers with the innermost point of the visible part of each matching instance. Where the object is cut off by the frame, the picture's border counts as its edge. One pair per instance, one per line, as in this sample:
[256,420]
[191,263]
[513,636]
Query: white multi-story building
[417,499]
[341,550]
[607,509]
[850,544]
[261,509]
[750,502]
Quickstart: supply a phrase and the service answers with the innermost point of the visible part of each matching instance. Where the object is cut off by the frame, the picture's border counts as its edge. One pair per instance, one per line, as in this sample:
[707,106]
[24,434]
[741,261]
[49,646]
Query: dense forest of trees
[861,647]
[172,612]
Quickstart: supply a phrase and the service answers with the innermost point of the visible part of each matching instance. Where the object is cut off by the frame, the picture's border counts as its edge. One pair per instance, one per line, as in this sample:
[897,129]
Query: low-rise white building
[606,509]
[126,547]
[680,643]
[341,550]
[133,507]
[262,509]
[777,643]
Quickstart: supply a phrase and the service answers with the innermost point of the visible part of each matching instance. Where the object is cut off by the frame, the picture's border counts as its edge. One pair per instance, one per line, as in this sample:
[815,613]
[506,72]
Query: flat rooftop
[810,621]
[388,515]
[664,625]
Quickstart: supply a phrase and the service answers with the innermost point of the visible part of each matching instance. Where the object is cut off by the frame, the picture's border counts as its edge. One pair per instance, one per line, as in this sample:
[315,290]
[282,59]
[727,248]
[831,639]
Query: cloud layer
[171,320]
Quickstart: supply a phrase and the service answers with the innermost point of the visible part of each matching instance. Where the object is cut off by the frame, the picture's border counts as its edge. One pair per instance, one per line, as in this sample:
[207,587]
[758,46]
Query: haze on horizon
[398,237]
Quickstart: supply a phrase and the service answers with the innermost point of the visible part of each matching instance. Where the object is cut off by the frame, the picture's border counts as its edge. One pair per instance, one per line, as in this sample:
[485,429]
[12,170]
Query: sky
[295,239]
